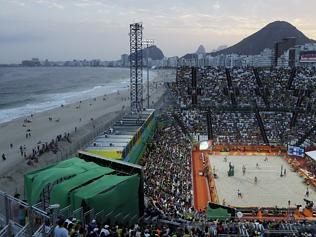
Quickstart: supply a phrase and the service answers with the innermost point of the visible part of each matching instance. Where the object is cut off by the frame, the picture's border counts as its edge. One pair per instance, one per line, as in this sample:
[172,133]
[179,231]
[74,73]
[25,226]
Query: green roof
[61,192]
[36,181]
[77,182]
[96,187]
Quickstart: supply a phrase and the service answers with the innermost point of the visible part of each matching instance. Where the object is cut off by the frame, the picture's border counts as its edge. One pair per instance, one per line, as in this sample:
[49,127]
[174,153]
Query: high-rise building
[31,63]
[124,60]
[173,61]
[264,59]
[282,46]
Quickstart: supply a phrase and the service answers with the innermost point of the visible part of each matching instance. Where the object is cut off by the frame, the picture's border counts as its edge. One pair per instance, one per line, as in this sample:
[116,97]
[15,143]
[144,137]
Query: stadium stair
[299,101]
[291,79]
[258,80]
[229,79]
[262,129]
[263,90]
[209,125]
[231,90]
[293,119]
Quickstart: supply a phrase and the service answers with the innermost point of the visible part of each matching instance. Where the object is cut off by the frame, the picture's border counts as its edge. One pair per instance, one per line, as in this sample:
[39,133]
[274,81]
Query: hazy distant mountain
[190,56]
[153,52]
[221,47]
[265,38]
[200,50]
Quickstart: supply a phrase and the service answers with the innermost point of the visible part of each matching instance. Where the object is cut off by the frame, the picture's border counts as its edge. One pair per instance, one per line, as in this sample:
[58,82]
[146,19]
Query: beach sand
[103,112]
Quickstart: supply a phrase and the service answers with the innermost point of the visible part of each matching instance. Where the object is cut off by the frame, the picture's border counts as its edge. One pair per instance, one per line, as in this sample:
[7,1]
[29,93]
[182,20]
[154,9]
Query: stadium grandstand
[223,156]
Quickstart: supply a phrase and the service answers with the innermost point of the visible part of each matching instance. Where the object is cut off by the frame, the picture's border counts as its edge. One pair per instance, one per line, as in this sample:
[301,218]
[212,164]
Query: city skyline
[64,30]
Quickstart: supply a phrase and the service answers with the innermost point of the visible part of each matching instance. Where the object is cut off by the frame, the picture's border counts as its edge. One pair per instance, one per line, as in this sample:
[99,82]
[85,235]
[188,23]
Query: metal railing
[65,212]
[25,231]
[89,216]
[78,214]
[20,218]
[4,232]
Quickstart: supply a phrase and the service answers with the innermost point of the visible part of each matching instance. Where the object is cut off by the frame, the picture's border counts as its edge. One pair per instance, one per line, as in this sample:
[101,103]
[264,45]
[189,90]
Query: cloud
[178,26]
[51,3]
[216,6]
[18,2]
[21,37]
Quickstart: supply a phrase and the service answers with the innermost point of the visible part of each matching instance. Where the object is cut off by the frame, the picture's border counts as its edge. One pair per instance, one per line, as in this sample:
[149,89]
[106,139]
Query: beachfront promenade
[83,121]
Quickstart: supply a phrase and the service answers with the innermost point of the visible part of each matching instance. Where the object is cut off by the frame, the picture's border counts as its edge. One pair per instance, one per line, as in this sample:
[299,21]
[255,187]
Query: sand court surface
[270,190]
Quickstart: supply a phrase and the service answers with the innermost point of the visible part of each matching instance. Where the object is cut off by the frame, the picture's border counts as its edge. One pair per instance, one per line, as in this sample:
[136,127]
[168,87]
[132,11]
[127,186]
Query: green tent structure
[36,181]
[112,194]
[114,188]
[219,212]
[61,192]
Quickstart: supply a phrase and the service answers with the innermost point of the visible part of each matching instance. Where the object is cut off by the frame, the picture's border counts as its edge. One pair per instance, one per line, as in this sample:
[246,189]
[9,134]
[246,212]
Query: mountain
[153,52]
[265,38]
[190,56]
[221,47]
[200,50]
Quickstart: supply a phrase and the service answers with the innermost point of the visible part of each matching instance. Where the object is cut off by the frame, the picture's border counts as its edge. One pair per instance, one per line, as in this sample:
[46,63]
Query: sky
[98,29]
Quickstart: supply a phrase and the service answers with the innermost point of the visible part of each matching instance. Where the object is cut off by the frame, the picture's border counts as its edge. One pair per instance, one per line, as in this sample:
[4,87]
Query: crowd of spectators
[75,228]
[168,186]
[236,128]
[277,125]
[285,99]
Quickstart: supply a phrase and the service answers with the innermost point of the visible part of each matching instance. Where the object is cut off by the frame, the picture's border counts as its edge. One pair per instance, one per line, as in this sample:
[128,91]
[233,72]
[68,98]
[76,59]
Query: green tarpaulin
[36,181]
[61,193]
[217,213]
[109,193]
[77,182]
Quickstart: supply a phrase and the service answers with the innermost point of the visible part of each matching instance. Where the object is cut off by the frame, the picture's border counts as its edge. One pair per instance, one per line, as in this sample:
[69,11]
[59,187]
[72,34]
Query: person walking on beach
[243,169]
[307,192]
[3,157]
[257,166]
[256,180]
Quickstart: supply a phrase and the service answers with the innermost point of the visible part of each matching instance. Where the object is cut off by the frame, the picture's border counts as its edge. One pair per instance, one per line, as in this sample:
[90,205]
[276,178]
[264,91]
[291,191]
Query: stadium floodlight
[148,43]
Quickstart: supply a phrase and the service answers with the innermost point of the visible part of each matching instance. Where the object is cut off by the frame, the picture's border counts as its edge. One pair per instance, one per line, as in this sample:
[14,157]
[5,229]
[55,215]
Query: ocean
[27,90]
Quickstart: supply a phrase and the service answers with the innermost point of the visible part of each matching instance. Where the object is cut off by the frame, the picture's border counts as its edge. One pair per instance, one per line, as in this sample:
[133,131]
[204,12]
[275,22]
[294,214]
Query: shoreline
[83,121]
[54,99]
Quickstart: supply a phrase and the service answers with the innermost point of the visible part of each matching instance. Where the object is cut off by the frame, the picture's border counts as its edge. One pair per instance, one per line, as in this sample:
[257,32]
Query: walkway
[200,189]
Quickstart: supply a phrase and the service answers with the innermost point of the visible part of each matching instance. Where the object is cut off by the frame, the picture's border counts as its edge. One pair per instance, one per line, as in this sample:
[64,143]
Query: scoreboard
[295,151]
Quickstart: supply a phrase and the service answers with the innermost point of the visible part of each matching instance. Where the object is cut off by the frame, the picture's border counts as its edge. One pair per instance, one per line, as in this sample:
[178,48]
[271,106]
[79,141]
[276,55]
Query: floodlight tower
[136,66]
[147,43]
